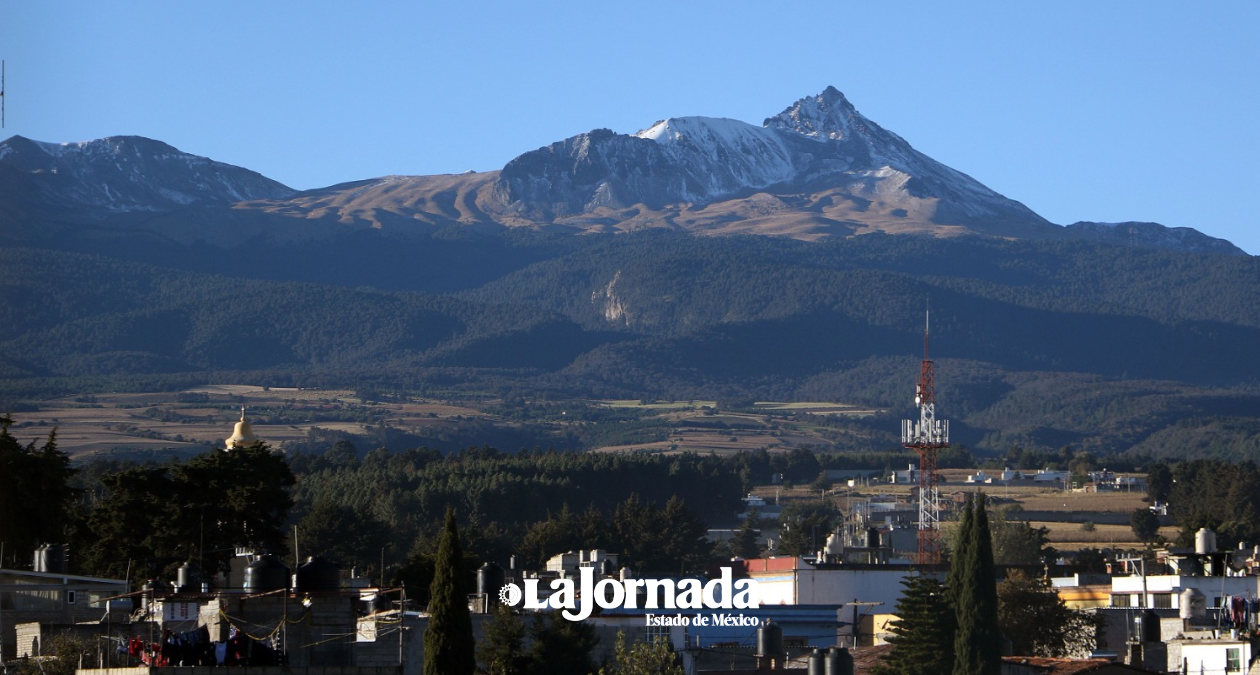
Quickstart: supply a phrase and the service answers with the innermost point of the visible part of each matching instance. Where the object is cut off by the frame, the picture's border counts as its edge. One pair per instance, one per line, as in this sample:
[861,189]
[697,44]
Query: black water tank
[769,640]
[839,662]
[1148,626]
[318,574]
[816,659]
[188,579]
[50,558]
[267,573]
[872,537]
[490,580]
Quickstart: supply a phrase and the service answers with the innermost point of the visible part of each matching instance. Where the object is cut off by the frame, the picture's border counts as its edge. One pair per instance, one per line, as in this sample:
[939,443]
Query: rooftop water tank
[150,589]
[816,659]
[839,662]
[1146,626]
[120,605]
[318,574]
[50,558]
[1204,541]
[490,580]
[1193,604]
[267,573]
[834,546]
[872,537]
[188,579]
[770,640]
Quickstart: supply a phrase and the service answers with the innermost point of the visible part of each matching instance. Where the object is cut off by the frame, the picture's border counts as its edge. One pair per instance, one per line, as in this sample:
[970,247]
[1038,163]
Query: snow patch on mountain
[723,155]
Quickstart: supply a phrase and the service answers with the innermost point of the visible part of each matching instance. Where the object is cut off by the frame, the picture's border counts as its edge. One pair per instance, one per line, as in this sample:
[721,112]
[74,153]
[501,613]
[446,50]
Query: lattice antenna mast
[927,437]
[1,94]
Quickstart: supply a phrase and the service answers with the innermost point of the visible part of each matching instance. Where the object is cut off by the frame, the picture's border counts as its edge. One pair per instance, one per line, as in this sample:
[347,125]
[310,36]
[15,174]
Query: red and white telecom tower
[927,437]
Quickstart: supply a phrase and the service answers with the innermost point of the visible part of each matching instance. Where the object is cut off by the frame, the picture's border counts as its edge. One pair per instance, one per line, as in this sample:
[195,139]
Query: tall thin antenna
[1,94]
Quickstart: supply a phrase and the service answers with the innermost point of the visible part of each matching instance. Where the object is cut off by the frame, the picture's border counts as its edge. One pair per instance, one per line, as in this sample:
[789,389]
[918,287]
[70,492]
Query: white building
[569,563]
[1051,476]
[793,581]
[1209,656]
[1163,591]
[907,477]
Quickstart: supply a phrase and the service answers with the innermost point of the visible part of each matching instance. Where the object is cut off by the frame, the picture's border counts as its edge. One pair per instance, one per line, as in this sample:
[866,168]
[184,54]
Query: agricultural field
[183,423]
[188,422]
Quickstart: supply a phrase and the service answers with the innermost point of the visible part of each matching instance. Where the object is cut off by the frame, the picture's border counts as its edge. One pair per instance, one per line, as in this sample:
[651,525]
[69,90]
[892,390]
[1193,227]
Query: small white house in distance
[569,563]
[982,477]
[1050,476]
[910,475]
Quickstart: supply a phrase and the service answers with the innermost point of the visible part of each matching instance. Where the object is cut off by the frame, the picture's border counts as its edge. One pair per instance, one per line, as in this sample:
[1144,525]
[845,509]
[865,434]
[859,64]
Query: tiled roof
[1070,666]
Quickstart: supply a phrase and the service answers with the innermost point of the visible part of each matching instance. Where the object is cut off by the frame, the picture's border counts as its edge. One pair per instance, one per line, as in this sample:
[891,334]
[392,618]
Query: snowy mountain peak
[700,130]
[828,115]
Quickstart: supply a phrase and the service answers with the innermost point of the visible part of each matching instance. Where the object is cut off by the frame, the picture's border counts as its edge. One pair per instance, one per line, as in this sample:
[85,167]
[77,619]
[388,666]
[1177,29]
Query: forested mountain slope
[1042,343]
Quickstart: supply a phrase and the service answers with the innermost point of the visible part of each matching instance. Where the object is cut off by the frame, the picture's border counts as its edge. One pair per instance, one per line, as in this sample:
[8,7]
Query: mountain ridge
[816,170]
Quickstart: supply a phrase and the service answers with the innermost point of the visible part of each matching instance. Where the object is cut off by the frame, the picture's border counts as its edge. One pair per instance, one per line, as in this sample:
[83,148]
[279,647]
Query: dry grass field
[186,423]
[1071,536]
[1107,502]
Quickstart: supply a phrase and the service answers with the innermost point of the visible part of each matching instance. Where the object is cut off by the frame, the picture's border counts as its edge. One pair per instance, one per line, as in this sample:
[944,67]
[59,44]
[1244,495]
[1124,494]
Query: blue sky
[1103,111]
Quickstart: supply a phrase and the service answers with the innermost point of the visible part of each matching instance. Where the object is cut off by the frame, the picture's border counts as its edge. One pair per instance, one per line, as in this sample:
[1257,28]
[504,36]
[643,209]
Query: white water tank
[834,546]
[1193,604]
[1204,541]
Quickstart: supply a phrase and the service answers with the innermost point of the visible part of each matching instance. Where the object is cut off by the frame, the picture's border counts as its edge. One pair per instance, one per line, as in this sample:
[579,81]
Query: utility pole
[928,436]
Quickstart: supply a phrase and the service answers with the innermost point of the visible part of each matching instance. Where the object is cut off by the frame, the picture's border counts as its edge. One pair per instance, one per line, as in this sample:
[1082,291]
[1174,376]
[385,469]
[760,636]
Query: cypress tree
[990,635]
[963,544]
[976,647]
[448,641]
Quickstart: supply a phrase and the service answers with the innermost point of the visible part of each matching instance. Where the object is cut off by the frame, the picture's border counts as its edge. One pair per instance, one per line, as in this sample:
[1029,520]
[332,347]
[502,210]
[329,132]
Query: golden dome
[242,433]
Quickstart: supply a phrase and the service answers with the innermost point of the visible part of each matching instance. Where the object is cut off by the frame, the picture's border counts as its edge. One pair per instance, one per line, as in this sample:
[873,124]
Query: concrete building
[1164,591]
[50,597]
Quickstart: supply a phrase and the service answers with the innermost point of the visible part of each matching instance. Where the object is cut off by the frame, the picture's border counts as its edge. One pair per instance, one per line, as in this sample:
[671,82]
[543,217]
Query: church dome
[242,433]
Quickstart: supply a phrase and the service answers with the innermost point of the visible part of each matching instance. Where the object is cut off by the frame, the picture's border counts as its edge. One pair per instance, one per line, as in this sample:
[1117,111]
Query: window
[1120,600]
[1233,660]
[70,597]
[1161,601]
[657,634]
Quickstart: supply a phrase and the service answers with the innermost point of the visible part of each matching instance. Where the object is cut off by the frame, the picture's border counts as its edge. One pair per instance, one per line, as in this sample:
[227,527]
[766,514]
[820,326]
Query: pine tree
[923,634]
[501,652]
[976,644]
[746,543]
[561,647]
[448,641]
[36,498]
